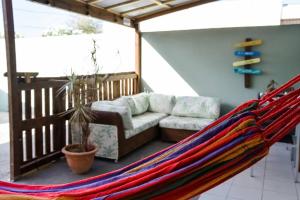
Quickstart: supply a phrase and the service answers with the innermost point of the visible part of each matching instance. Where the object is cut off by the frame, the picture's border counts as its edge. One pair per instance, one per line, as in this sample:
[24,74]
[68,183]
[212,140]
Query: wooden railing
[42,130]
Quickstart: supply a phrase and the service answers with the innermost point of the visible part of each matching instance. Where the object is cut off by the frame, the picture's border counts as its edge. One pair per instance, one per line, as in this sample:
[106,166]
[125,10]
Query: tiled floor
[273,180]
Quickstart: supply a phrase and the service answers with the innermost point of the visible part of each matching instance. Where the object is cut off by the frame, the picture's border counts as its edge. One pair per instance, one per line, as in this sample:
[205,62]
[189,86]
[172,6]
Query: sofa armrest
[110,118]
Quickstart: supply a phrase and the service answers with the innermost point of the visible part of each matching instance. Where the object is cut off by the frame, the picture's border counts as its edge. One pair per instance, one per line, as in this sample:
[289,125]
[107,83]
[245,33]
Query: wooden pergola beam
[171,10]
[86,9]
[138,56]
[14,107]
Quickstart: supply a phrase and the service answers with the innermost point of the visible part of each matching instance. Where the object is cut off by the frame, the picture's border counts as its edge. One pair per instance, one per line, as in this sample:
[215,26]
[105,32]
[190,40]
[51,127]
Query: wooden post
[13,95]
[247,78]
[138,56]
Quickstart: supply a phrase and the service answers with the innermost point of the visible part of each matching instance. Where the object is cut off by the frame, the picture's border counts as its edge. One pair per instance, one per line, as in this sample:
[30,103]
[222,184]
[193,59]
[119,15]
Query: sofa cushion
[186,123]
[138,103]
[161,103]
[143,122]
[206,107]
[125,101]
[124,111]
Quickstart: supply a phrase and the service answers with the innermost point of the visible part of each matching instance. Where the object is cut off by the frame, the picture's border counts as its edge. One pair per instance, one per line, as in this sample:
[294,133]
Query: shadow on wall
[4,101]
[146,88]
[199,62]
[168,72]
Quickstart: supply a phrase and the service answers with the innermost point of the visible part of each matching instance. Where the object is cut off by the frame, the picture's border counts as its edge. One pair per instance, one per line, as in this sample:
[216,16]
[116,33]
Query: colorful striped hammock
[207,158]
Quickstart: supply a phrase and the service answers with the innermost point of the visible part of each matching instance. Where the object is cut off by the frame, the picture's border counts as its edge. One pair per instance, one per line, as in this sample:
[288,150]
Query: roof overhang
[124,12]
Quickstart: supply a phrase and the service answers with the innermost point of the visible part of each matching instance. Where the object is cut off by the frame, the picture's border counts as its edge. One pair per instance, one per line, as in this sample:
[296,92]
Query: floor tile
[281,175]
[279,186]
[248,181]
[245,193]
[298,189]
[279,166]
[270,195]
[280,159]
[222,189]
[212,197]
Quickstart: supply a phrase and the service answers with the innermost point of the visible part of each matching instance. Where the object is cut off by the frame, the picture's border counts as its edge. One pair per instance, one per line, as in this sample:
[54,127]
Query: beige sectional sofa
[127,123]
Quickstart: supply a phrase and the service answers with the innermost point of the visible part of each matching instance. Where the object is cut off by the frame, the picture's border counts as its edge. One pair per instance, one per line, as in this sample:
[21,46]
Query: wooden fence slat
[56,105]
[105,90]
[89,93]
[123,87]
[116,91]
[130,81]
[62,131]
[19,134]
[47,139]
[47,104]
[28,144]
[82,93]
[58,125]
[27,104]
[126,86]
[70,103]
[38,129]
[109,90]
[134,86]
[98,91]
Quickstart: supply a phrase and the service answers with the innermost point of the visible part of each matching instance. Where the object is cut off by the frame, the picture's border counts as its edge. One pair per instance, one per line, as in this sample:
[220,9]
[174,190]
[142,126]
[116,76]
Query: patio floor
[4,147]
[273,176]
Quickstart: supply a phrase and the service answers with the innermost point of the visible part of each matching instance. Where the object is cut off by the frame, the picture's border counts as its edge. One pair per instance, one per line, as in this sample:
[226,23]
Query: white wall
[55,56]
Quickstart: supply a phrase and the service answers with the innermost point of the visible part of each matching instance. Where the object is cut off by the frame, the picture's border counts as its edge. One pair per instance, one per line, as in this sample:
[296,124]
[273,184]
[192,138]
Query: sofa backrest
[198,106]
[161,103]
[137,103]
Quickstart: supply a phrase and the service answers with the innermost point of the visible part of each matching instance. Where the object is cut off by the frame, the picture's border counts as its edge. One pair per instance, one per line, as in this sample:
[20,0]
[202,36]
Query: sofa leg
[116,160]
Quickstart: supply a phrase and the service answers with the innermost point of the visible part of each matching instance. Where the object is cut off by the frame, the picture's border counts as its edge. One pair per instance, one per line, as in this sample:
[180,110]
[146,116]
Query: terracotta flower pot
[79,162]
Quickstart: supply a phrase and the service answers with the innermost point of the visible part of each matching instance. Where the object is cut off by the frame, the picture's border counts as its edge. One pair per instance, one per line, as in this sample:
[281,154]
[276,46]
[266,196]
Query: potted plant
[80,156]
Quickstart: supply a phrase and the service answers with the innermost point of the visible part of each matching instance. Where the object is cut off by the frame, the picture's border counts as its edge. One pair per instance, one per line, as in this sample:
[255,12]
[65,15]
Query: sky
[33,19]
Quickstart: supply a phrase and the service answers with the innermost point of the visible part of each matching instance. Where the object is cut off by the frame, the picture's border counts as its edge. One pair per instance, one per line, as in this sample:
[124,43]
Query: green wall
[203,58]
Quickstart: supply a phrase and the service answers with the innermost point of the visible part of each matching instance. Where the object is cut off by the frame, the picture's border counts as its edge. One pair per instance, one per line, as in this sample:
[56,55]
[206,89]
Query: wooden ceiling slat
[143,8]
[171,10]
[126,3]
[85,9]
[93,1]
[163,4]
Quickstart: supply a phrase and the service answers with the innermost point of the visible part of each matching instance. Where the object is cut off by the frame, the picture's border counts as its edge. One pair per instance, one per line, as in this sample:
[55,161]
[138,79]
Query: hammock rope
[192,166]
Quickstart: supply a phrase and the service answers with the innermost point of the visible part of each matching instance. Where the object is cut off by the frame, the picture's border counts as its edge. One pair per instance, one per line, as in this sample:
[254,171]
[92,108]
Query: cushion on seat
[206,107]
[186,123]
[161,103]
[144,122]
[124,111]
[138,103]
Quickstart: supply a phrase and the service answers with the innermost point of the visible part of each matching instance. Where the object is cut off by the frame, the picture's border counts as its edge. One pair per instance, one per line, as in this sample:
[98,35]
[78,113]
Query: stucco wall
[199,62]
